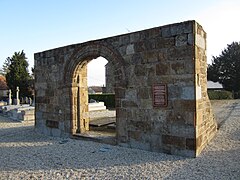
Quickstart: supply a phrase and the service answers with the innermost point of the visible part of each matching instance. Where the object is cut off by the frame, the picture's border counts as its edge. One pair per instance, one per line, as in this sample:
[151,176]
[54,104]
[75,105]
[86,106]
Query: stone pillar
[9,97]
[17,96]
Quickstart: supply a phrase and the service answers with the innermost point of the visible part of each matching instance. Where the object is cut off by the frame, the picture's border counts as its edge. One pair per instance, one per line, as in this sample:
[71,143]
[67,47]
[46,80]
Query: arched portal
[76,71]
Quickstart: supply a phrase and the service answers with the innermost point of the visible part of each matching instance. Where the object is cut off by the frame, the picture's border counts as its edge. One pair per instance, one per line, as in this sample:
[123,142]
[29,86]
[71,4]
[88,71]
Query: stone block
[144,93]
[174,91]
[176,117]
[134,37]
[156,143]
[131,94]
[124,40]
[200,41]
[130,49]
[137,59]
[139,145]
[119,93]
[41,92]
[122,50]
[150,56]
[135,135]
[122,135]
[190,118]
[183,152]
[146,103]
[47,131]
[191,143]
[190,39]
[165,43]
[55,132]
[199,141]
[180,28]
[140,70]
[184,105]
[61,126]
[162,68]
[174,141]
[177,68]
[52,124]
[159,128]
[39,125]
[154,32]
[189,67]
[118,103]
[161,56]
[139,47]
[188,93]
[181,40]
[186,131]
[129,104]
[122,112]
[180,53]
[39,115]
[140,125]
[166,31]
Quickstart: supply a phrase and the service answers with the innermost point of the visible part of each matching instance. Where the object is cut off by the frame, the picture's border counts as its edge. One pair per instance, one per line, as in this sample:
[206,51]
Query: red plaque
[159,95]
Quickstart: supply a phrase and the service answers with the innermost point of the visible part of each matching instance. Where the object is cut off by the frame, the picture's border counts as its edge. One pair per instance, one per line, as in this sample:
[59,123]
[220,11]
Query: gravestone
[9,97]
[26,100]
[17,96]
[30,101]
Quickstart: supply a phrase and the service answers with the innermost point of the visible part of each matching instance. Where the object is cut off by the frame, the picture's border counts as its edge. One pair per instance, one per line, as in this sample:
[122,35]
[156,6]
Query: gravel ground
[27,155]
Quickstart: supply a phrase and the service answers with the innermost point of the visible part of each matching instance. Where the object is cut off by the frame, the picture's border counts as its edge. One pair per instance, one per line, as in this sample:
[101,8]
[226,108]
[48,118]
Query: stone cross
[9,97]
[17,96]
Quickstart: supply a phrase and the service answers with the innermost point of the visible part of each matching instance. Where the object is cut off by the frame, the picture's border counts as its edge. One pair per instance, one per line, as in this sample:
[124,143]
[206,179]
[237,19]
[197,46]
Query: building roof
[3,83]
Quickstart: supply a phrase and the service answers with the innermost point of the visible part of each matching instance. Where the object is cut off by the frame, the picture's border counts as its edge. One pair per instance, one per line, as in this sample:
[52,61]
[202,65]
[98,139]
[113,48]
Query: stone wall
[171,56]
[109,75]
[206,125]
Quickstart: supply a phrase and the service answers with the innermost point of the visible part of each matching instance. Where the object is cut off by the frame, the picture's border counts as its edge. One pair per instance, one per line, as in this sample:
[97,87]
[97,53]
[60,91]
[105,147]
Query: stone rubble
[28,155]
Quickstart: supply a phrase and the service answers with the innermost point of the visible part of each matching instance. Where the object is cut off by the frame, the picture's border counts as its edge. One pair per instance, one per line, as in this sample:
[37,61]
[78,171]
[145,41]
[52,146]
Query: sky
[38,25]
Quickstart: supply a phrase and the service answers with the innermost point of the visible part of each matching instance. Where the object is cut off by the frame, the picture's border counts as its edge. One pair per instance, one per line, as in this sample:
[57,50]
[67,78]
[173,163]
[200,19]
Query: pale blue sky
[37,25]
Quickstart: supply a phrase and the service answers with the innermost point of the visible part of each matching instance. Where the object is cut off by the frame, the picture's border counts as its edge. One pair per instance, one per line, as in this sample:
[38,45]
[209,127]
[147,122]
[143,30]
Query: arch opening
[92,114]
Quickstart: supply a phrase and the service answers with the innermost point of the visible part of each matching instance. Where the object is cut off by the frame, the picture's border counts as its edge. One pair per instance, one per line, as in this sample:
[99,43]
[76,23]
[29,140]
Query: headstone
[92,101]
[9,97]
[17,96]
[26,100]
[30,101]
[22,101]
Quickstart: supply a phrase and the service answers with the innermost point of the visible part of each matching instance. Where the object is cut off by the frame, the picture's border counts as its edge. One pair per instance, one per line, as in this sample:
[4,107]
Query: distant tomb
[96,106]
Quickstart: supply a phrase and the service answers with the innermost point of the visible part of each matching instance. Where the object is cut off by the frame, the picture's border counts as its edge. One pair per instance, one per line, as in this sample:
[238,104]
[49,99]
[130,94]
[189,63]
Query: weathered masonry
[159,82]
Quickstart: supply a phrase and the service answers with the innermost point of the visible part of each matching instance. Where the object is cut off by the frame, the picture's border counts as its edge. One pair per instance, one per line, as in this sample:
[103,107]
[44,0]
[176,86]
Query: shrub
[214,95]
[108,99]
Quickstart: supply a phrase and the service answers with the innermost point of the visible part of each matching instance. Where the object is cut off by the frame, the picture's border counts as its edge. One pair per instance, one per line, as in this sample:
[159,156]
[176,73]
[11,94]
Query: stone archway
[75,72]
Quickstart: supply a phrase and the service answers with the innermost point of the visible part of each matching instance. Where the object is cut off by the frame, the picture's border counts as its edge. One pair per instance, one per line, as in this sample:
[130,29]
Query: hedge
[219,94]
[108,99]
